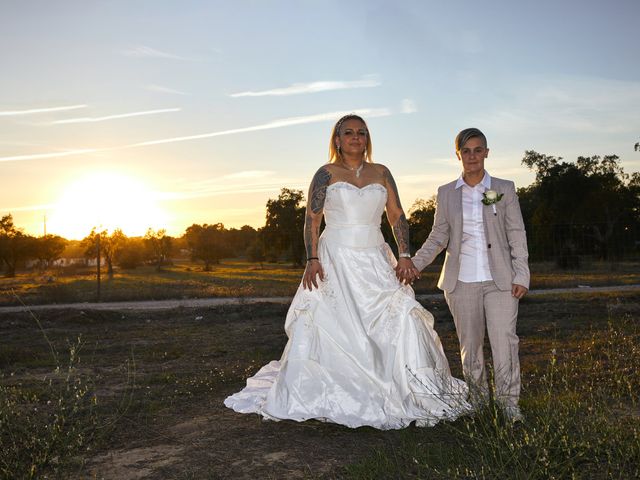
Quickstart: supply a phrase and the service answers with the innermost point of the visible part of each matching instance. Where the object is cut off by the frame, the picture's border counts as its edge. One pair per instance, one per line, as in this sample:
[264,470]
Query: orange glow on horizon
[106,200]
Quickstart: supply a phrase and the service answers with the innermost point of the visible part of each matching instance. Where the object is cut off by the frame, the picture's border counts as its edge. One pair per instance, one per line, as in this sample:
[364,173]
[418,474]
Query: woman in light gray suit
[485,272]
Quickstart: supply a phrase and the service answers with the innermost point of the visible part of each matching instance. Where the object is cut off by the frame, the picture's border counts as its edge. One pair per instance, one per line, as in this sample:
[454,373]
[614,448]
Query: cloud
[250,174]
[279,123]
[580,105]
[284,122]
[161,89]
[409,106]
[219,187]
[368,81]
[40,156]
[114,117]
[143,51]
[8,113]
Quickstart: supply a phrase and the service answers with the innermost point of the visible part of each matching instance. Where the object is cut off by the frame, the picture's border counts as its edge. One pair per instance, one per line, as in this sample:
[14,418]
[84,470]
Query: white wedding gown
[361,350]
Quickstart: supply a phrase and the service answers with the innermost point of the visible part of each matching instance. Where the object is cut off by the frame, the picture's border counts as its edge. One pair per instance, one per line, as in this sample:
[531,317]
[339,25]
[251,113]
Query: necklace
[357,169]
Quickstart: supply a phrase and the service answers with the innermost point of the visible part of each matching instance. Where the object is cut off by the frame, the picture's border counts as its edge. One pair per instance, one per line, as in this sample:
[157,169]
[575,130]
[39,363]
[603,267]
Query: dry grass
[242,279]
[181,280]
[159,379]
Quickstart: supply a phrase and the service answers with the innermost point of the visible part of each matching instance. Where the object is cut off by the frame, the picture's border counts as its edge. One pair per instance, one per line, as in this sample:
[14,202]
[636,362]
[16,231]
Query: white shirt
[474,258]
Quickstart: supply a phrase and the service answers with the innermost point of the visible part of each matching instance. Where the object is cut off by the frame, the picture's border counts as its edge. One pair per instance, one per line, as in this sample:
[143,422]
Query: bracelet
[404,255]
[312,258]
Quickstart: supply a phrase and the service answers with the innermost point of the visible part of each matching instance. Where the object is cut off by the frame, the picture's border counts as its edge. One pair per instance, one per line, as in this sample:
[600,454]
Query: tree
[15,246]
[110,246]
[49,248]
[421,215]
[239,240]
[131,253]
[591,198]
[207,243]
[91,242]
[158,245]
[284,228]
[255,251]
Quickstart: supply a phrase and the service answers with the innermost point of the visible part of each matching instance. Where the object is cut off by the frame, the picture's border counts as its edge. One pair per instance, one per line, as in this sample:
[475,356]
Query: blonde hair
[334,154]
[467,134]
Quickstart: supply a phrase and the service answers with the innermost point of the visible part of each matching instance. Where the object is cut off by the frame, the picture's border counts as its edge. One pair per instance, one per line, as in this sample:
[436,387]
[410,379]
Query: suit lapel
[488,218]
[456,216]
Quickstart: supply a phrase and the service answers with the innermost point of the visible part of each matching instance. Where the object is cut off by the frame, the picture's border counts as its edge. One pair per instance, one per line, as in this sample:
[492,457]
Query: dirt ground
[161,378]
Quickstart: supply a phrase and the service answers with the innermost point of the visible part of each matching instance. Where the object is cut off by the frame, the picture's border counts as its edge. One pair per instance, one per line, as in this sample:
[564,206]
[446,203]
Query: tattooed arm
[395,214]
[313,218]
[405,270]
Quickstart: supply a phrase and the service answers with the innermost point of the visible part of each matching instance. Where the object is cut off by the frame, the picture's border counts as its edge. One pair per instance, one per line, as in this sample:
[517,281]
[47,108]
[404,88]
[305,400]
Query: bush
[46,424]
[131,255]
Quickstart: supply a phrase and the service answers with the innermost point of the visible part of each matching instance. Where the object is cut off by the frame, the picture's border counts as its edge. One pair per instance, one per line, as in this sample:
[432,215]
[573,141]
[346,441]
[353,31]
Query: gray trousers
[474,305]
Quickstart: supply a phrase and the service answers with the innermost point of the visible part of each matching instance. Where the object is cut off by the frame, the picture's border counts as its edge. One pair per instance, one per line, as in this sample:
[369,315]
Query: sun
[105,200]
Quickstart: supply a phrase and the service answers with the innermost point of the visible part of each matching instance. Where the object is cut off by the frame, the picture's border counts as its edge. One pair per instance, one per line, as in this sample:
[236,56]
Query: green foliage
[159,246]
[585,207]
[110,246]
[207,243]
[131,253]
[421,216]
[255,251]
[49,248]
[240,239]
[283,230]
[15,246]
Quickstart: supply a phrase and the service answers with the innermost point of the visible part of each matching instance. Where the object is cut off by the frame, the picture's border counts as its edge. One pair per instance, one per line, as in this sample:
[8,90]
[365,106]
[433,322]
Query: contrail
[8,113]
[38,156]
[283,122]
[313,87]
[113,117]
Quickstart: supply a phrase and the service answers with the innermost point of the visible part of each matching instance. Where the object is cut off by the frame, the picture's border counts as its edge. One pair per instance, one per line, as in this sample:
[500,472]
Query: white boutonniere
[491,197]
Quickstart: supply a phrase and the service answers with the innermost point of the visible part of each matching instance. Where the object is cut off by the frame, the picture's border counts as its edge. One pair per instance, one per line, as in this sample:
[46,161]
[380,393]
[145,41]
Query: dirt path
[214,302]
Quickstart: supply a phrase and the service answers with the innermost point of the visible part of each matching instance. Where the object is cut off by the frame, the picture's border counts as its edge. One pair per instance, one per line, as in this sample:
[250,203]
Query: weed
[581,421]
[44,426]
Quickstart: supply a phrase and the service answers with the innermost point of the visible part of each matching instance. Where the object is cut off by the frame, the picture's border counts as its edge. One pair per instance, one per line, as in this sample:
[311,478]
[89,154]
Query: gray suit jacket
[505,234]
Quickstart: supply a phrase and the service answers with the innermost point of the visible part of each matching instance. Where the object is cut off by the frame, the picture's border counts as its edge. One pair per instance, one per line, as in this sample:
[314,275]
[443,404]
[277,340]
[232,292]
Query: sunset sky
[161,114]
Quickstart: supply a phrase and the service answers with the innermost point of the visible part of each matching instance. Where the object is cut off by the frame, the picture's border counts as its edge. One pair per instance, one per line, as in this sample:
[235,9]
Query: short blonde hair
[334,154]
[467,134]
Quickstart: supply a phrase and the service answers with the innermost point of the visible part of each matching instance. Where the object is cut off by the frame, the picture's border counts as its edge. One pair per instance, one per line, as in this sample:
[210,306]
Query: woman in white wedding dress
[361,351]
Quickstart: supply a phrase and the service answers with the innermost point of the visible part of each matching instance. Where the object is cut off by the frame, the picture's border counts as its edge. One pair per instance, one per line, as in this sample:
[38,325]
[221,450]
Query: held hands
[406,271]
[518,291]
[313,270]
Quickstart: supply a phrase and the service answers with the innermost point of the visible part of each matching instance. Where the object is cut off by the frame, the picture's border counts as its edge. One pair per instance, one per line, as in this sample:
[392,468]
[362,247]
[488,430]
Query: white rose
[491,195]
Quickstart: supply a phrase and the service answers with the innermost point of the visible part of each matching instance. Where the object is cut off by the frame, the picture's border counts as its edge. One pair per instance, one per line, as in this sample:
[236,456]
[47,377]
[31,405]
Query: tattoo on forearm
[318,189]
[401,226]
[401,232]
[310,239]
[392,185]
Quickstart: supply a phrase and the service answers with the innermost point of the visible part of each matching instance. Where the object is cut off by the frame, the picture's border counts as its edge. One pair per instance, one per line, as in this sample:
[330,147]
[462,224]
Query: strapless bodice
[352,214]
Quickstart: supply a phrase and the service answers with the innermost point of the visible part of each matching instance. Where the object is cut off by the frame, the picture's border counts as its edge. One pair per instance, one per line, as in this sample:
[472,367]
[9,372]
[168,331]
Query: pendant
[359,169]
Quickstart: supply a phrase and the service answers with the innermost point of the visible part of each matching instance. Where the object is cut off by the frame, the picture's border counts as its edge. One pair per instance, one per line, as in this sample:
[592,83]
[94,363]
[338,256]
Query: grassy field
[241,279]
[95,394]
[181,280]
